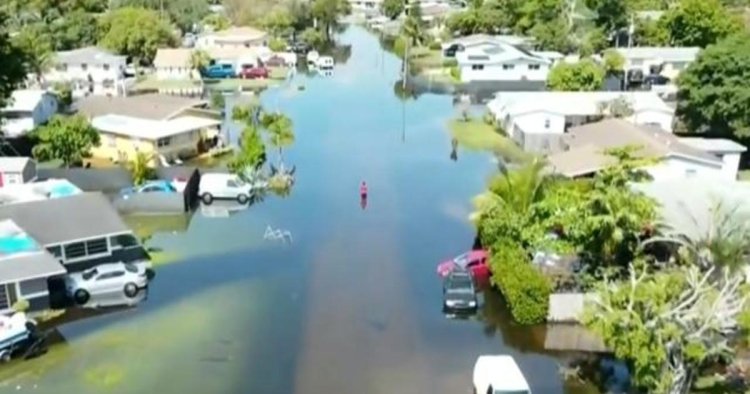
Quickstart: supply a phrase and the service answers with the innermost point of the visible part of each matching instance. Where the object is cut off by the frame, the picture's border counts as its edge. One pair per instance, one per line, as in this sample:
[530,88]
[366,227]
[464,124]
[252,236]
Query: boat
[325,63]
[17,332]
[312,59]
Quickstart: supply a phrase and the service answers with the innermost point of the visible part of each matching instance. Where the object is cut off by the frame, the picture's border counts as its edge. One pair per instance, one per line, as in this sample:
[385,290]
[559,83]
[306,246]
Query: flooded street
[352,305]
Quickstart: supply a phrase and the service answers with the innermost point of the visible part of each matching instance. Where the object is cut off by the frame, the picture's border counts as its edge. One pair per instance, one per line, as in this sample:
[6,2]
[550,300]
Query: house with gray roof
[81,230]
[25,269]
[90,71]
[586,146]
[16,170]
[669,60]
[27,109]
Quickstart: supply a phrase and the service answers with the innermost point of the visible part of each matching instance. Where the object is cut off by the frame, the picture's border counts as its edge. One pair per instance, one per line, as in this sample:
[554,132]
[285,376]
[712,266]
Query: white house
[490,58]
[584,153]
[727,150]
[90,71]
[26,110]
[173,63]
[671,60]
[235,37]
[16,171]
[537,120]
[487,40]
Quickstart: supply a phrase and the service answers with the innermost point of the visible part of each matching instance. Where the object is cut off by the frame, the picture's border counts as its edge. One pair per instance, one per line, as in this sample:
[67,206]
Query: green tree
[136,32]
[650,33]
[183,13]
[698,23]
[584,75]
[12,66]
[301,14]
[140,169]
[280,131]
[611,15]
[64,94]
[216,22]
[313,37]
[553,35]
[277,45]
[328,12]
[278,22]
[199,60]
[392,8]
[613,62]
[38,49]
[595,41]
[713,90]
[252,153]
[66,138]
[668,325]
[76,29]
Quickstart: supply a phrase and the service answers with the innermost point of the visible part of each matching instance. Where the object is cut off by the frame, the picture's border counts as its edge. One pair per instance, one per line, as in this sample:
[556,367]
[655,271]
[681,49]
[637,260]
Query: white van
[214,186]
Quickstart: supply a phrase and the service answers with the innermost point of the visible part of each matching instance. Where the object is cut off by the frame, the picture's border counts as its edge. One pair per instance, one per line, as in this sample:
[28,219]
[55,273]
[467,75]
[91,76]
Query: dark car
[656,79]
[459,294]
[299,47]
[451,50]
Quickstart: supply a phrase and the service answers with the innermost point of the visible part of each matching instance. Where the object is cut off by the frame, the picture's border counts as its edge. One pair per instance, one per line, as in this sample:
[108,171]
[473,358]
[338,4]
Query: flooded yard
[353,304]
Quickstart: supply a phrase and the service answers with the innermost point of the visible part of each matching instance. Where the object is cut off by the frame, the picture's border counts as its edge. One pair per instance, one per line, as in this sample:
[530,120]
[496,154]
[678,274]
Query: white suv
[106,279]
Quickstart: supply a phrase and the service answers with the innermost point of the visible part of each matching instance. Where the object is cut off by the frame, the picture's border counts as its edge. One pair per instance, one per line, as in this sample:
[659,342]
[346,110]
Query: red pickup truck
[252,72]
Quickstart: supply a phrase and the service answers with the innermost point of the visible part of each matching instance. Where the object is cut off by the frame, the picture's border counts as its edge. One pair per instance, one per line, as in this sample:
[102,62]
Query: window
[110,275]
[105,67]
[61,67]
[477,66]
[75,250]
[508,66]
[534,67]
[546,123]
[96,246]
[231,183]
[163,141]
[84,66]
[34,286]
[55,251]
[151,189]
[690,172]
[89,274]
[123,241]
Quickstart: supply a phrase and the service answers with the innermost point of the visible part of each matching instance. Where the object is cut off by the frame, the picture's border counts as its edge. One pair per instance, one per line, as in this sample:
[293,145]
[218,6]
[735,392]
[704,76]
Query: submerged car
[499,374]
[474,261]
[459,294]
[149,187]
[127,278]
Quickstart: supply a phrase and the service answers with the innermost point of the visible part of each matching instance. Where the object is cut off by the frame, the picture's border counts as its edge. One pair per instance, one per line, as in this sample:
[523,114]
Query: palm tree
[140,168]
[516,190]
[280,131]
[199,60]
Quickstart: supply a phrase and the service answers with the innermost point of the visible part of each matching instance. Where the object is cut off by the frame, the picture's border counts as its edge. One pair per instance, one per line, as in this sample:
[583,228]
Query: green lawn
[476,134]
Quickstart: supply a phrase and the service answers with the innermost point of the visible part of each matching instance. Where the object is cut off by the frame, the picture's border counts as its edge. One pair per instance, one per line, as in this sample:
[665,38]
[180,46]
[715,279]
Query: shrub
[435,46]
[450,63]
[524,287]
[277,45]
[456,73]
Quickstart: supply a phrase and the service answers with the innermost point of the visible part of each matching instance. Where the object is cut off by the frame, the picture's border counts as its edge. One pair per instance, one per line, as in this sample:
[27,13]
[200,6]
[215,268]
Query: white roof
[497,54]
[673,54]
[714,145]
[13,164]
[480,38]
[570,103]
[150,129]
[501,372]
[25,99]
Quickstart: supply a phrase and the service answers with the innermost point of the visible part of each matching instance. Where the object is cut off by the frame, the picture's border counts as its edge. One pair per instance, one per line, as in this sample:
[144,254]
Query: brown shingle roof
[172,57]
[147,106]
[587,144]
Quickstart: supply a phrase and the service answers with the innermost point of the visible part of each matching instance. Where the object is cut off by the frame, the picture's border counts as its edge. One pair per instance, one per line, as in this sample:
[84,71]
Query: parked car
[18,333]
[655,79]
[225,186]
[499,374]
[149,187]
[219,71]
[475,261]
[459,294]
[452,49]
[299,47]
[253,72]
[106,278]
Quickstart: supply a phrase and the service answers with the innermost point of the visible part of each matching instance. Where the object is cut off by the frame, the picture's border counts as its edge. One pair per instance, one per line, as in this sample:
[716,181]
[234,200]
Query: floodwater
[352,304]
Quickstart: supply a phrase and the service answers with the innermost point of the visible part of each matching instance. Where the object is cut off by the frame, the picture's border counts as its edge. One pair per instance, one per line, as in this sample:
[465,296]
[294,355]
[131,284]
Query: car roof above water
[501,372]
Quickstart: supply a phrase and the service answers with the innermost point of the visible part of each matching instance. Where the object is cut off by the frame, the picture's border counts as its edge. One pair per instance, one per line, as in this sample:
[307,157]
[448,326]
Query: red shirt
[363,189]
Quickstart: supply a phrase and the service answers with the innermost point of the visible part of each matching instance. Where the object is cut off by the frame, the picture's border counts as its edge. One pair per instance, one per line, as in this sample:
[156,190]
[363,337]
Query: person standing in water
[363,194]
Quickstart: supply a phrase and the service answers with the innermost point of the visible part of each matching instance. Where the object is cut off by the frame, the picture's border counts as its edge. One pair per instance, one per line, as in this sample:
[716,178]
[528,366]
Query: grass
[162,257]
[422,57]
[275,74]
[475,134]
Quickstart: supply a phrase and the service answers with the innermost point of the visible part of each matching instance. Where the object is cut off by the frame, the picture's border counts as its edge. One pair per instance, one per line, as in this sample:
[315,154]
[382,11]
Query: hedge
[524,287]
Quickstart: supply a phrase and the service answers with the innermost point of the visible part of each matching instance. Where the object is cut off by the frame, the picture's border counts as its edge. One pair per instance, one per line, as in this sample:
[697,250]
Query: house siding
[678,167]
[123,148]
[497,72]
[107,80]
[173,73]
[42,112]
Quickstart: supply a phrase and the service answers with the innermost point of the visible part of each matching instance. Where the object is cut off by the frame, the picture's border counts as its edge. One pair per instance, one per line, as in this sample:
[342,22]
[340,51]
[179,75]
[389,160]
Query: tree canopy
[136,32]
[37,46]
[585,75]
[182,13]
[392,8]
[12,69]
[713,90]
[698,23]
[328,12]
[611,15]
[279,22]
[66,138]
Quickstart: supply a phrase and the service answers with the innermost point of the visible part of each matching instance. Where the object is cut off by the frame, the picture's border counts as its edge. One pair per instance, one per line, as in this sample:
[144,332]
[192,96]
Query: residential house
[90,71]
[173,63]
[234,37]
[87,230]
[586,146]
[727,150]
[497,60]
[164,127]
[16,171]
[538,120]
[667,61]
[487,40]
[26,110]
[25,269]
